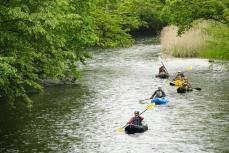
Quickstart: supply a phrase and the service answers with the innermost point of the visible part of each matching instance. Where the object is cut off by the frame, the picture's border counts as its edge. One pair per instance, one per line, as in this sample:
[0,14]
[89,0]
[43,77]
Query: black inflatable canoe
[183,90]
[131,129]
[162,75]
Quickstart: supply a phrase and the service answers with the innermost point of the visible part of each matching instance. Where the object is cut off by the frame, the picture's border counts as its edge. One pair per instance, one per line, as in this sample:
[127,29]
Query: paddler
[186,84]
[159,93]
[137,119]
[179,75]
[162,69]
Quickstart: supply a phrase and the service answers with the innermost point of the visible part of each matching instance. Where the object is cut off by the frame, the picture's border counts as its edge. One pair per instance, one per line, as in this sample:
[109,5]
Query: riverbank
[206,39]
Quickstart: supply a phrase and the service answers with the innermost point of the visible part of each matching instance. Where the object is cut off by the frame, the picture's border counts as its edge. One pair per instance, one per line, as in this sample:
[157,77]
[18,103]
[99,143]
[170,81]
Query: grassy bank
[205,39]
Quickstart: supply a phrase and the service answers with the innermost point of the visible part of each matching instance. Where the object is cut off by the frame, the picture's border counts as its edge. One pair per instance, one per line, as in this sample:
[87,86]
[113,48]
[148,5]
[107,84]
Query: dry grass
[187,45]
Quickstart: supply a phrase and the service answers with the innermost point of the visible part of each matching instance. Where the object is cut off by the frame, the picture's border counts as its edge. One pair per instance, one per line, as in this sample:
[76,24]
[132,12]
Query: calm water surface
[82,118]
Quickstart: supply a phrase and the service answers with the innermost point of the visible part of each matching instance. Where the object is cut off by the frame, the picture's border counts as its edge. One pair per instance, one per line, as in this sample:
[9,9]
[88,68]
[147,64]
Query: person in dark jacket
[162,69]
[137,119]
[159,93]
[179,75]
[186,84]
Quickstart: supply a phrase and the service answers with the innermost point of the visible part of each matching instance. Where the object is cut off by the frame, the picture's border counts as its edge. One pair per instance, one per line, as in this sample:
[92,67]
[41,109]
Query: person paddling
[163,73]
[137,119]
[159,93]
[179,75]
[186,84]
[162,69]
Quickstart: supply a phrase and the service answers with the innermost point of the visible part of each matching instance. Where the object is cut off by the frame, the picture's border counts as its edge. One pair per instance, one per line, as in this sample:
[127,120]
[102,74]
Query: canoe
[160,101]
[162,75]
[131,128]
[183,90]
[177,83]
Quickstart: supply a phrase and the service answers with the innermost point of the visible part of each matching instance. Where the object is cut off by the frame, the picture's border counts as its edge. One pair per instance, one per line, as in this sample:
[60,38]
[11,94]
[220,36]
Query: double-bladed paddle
[188,68]
[144,99]
[197,88]
[147,108]
[173,84]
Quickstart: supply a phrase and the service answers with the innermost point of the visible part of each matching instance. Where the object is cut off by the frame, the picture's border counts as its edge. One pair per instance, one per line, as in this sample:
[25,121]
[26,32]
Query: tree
[41,39]
[44,39]
[116,19]
[183,12]
[147,12]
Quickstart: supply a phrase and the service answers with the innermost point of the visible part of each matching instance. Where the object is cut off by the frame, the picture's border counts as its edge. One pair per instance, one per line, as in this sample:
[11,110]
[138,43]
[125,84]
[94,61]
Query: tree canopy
[42,39]
[183,12]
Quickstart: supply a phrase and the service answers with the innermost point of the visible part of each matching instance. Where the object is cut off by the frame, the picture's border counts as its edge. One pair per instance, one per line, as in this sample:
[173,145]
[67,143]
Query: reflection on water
[83,118]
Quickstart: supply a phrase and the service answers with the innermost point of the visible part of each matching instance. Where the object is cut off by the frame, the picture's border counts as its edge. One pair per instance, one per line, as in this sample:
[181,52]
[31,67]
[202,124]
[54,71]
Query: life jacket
[178,83]
[136,120]
[159,94]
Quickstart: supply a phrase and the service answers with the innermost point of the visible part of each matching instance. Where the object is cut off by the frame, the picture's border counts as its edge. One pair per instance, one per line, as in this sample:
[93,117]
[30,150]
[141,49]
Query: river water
[82,118]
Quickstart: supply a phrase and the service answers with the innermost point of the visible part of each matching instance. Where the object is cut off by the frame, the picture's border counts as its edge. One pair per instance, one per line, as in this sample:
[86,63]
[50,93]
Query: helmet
[136,112]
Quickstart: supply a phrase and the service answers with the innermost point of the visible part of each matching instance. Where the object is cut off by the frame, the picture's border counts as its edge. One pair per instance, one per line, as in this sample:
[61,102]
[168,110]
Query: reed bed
[188,44]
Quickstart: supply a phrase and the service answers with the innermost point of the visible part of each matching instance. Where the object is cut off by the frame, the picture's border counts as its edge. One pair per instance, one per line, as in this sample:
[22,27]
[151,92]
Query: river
[82,118]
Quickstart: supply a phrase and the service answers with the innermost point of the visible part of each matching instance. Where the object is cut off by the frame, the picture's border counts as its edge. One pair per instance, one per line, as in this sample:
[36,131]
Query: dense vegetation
[42,39]
[205,39]
[182,13]
[210,33]
[217,46]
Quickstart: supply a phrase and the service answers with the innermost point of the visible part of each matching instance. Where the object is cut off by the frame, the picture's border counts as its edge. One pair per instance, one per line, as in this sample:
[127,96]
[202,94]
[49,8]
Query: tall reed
[188,44]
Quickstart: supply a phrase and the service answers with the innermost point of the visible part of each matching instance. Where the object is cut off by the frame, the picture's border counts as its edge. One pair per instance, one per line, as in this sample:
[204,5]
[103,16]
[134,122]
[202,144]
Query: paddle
[149,107]
[144,100]
[197,88]
[188,68]
[173,84]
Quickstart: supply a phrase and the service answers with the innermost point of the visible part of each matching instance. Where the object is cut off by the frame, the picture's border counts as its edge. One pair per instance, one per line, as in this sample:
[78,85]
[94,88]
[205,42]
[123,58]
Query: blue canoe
[160,101]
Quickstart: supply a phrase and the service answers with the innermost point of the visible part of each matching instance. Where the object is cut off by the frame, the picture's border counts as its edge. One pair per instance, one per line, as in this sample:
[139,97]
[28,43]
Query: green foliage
[115,19]
[183,12]
[146,12]
[218,46]
[108,27]
[40,39]
[149,13]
